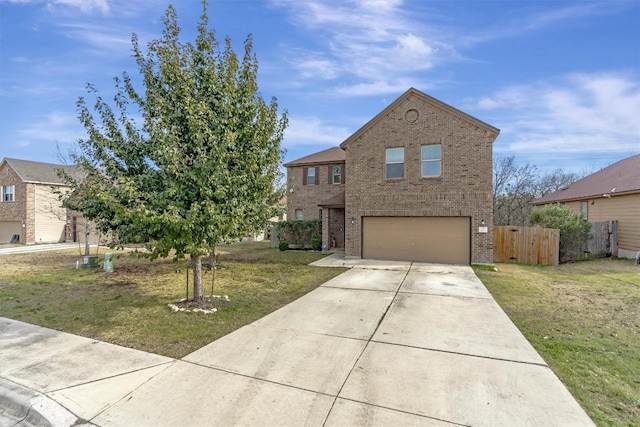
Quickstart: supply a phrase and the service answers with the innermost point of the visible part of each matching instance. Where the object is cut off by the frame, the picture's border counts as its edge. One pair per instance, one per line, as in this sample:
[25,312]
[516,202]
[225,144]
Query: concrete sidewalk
[386,343]
[38,248]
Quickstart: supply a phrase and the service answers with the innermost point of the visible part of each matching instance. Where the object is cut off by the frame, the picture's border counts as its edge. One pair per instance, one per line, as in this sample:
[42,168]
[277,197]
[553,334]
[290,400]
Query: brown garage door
[425,239]
[8,229]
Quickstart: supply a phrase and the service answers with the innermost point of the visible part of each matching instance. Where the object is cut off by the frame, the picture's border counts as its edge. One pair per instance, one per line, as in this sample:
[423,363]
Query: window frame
[434,160]
[584,210]
[295,214]
[11,193]
[311,178]
[335,175]
[387,163]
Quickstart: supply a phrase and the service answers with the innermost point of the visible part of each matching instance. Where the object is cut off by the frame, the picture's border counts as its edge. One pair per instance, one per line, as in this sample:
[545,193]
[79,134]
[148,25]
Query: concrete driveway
[386,343]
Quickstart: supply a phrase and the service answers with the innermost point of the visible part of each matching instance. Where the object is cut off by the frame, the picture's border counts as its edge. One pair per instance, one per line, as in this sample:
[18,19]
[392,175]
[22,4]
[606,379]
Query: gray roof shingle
[40,173]
[331,155]
[622,177]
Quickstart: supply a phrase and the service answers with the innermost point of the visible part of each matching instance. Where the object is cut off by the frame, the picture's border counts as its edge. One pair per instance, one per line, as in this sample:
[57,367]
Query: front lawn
[129,307]
[584,320]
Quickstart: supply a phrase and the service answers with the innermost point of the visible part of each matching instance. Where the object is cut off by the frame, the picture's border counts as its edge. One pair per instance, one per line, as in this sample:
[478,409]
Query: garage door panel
[8,229]
[424,239]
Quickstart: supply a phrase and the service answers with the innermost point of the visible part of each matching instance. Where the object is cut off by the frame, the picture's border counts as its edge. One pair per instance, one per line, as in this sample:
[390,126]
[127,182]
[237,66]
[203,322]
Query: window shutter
[343,175]
[305,172]
[330,174]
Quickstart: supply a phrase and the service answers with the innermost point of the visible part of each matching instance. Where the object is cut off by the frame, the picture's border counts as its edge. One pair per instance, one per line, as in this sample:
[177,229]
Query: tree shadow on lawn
[129,307]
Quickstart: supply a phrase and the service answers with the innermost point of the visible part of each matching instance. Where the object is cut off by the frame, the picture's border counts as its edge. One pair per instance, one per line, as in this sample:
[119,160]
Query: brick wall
[463,189]
[16,210]
[307,197]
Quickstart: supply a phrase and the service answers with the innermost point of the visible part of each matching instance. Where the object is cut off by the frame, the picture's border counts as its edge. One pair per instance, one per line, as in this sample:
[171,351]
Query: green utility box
[108,262]
[90,262]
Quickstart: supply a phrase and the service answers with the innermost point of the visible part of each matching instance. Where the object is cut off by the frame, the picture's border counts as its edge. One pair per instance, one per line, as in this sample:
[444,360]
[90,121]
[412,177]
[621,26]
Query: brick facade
[307,197]
[14,211]
[463,189]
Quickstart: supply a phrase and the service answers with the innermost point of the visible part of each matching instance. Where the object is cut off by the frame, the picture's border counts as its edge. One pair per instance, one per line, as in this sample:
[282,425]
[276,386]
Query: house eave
[328,162]
[55,184]
[586,197]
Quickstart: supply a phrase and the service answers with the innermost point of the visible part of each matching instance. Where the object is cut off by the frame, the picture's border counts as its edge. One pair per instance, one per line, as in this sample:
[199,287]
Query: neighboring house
[414,183]
[612,193]
[29,206]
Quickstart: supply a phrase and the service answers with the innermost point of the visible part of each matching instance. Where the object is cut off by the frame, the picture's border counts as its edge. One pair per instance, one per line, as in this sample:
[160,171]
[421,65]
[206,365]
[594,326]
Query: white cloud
[57,126]
[527,22]
[366,42]
[85,6]
[410,45]
[373,42]
[317,68]
[577,113]
[380,87]
[313,131]
[106,38]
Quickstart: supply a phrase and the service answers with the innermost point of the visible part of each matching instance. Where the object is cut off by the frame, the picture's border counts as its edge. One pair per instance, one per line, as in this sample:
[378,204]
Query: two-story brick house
[417,185]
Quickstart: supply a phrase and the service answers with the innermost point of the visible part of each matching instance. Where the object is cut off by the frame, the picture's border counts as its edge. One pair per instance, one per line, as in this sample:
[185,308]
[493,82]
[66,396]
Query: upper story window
[8,193]
[394,160]
[336,174]
[309,176]
[431,159]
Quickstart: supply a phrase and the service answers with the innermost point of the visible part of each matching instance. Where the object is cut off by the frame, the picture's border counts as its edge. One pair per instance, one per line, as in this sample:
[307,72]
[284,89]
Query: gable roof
[619,178]
[38,172]
[428,99]
[331,155]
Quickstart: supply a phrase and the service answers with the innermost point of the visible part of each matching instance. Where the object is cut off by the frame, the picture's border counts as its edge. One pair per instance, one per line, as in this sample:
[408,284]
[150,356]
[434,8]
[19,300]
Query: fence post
[614,238]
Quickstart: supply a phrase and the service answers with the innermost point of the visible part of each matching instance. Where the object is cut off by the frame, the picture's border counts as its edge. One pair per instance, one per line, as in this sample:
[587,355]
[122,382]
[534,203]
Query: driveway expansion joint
[369,340]
[479,356]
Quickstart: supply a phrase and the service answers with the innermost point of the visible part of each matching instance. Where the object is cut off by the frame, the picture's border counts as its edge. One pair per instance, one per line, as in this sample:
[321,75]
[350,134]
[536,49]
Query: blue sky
[561,79]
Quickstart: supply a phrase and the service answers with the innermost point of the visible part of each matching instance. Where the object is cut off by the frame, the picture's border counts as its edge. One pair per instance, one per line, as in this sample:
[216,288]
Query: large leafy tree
[203,165]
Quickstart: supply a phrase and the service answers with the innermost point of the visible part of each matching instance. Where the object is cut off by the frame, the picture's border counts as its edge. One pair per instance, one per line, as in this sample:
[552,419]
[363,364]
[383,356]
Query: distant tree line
[515,186]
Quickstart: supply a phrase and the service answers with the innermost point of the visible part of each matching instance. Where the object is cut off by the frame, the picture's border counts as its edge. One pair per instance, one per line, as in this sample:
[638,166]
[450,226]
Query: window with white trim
[299,214]
[9,193]
[336,173]
[394,161]
[431,159]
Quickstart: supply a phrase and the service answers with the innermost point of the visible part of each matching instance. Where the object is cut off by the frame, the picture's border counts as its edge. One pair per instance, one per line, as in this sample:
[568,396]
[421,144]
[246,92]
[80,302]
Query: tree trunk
[197,277]
[87,251]
[212,263]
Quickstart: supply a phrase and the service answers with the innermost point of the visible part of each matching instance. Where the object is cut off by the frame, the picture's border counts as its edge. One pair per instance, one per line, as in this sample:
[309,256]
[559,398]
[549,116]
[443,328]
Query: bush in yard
[283,245]
[300,232]
[316,244]
[574,230]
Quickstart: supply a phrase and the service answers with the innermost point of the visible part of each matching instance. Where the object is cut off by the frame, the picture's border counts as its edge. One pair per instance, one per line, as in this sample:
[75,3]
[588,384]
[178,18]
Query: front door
[336,228]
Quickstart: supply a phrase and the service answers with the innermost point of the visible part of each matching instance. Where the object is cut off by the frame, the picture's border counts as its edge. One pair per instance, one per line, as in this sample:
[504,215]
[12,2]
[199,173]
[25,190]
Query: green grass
[129,307]
[584,320]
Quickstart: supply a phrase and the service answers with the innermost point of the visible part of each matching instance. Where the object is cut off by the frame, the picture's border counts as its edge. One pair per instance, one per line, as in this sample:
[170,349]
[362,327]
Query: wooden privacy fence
[604,240]
[526,245]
